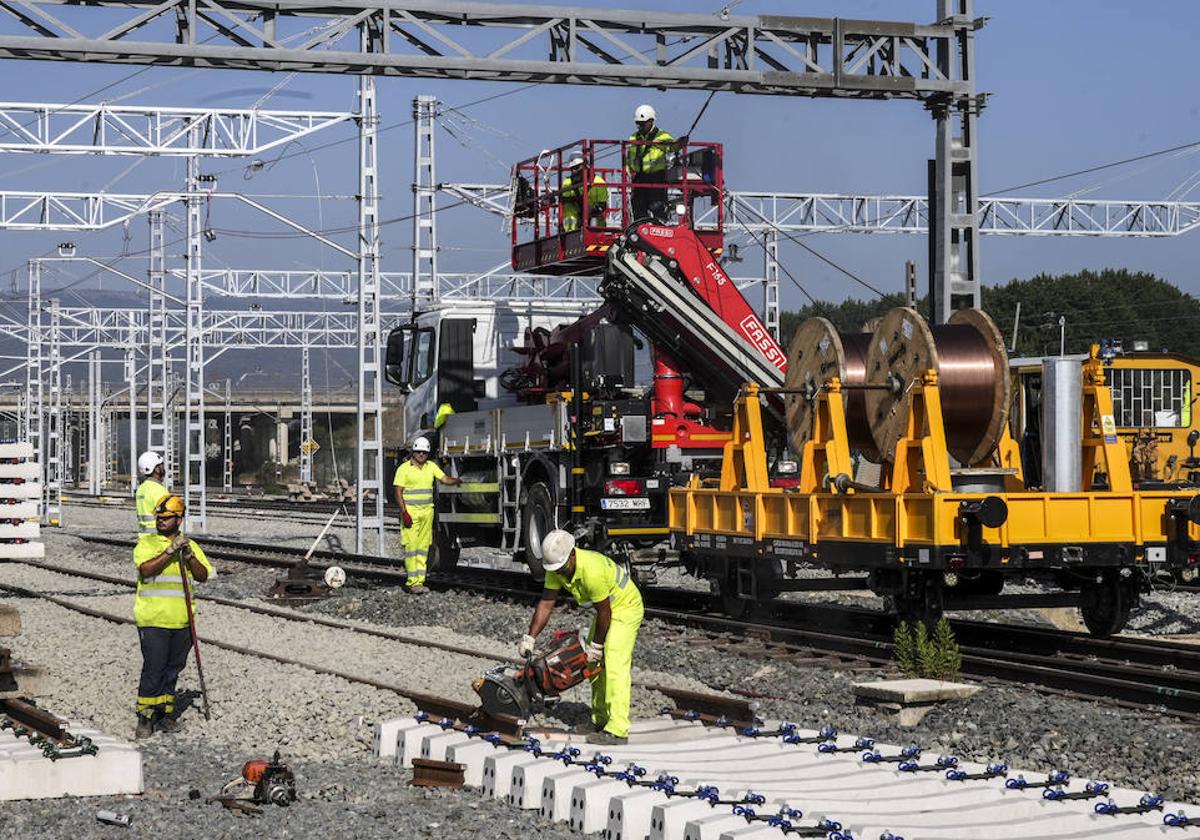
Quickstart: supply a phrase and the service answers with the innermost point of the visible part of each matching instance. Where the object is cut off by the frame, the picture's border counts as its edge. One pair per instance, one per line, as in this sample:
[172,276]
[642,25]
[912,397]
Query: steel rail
[1143,672]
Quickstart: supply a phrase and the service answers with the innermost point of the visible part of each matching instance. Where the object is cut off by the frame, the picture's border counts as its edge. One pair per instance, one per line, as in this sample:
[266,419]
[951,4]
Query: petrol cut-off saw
[522,690]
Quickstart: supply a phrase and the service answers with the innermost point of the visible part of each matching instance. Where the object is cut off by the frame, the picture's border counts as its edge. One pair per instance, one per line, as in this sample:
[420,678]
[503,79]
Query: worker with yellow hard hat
[161,613]
[594,580]
[413,483]
[573,200]
[646,163]
[150,491]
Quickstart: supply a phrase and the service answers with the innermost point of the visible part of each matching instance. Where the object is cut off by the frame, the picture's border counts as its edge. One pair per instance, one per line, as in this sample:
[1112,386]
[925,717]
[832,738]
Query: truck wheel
[443,553]
[537,520]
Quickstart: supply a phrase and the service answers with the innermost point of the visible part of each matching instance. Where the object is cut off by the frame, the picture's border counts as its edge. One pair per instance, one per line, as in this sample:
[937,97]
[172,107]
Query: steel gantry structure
[778,55]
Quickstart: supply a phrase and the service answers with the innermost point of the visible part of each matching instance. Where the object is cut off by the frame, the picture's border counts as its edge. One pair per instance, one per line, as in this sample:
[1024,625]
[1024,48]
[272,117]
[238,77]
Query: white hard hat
[643,113]
[556,548]
[421,444]
[147,462]
[335,577]
[575,161]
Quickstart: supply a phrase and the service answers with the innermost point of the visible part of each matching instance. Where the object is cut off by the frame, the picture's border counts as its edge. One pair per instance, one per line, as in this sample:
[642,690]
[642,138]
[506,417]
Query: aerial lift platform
[546,239]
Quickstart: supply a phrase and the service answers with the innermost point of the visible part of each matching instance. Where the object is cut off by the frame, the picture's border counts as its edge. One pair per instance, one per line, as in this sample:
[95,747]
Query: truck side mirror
[394,367]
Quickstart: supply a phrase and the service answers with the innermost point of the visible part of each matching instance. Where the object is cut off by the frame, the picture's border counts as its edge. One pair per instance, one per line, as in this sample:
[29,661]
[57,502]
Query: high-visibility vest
[648,155]
[417,482]
[597,578]
[443,412]
[149,494]
[160,601]
[597,196]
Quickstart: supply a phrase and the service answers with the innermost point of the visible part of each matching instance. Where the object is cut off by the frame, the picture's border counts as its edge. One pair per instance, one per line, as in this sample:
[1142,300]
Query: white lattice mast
[32,418]
[227,441]
[131,380]
[95,438]
[158,363]
[425,188]
[54,451]
[369,452]
[771,282]
[306,415]
[194,484]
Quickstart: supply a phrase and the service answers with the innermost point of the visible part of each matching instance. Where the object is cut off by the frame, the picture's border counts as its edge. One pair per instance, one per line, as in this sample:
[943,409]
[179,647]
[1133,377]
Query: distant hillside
[1113,303]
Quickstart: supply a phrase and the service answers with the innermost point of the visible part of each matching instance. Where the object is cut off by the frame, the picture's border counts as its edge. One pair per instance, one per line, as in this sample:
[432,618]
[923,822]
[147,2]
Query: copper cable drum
[817,353]
[969,356]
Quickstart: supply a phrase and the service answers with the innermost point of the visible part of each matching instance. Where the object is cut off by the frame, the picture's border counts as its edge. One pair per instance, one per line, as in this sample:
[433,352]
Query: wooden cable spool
[968,354]
[818,353]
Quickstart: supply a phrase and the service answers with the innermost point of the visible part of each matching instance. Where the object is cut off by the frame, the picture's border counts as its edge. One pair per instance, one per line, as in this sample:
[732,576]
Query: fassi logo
[661,232]
[757,334]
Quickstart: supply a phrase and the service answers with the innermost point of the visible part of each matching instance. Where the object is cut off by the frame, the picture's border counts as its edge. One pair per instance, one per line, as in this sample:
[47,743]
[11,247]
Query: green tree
[1112,303]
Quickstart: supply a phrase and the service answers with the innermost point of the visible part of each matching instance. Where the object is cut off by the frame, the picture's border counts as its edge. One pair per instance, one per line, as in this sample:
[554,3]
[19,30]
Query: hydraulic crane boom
[666,283]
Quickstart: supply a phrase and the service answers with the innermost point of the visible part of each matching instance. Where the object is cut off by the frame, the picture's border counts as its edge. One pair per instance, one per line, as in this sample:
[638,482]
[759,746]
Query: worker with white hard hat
[413,485]
[594,580]
[150,491]
[573,202]
[646,163]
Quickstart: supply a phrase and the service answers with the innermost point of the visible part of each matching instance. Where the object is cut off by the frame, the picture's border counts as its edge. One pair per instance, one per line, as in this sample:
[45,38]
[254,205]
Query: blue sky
[1073,84]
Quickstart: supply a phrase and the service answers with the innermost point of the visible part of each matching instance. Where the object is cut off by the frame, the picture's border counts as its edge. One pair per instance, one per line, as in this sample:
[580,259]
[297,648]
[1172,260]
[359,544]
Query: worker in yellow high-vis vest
[594,580]
[413,485]
[646,163]
[160,611]
[150,491]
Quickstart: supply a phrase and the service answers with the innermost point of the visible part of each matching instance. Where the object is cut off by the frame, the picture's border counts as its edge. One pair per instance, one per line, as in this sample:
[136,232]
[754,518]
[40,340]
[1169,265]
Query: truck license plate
[634,503]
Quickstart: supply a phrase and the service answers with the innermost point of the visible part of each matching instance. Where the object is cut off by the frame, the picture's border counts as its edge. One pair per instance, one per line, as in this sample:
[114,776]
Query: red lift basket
[549,236]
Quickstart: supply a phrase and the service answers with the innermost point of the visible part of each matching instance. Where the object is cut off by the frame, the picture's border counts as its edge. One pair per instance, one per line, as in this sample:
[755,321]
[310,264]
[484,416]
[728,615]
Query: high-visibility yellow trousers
[416,541]
[612,687]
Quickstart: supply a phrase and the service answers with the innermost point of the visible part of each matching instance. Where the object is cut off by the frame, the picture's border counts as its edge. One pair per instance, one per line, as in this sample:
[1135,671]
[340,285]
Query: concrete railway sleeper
[682,780]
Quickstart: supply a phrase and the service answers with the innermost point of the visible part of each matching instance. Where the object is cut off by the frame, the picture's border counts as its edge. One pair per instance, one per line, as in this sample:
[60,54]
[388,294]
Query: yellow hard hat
[169,506]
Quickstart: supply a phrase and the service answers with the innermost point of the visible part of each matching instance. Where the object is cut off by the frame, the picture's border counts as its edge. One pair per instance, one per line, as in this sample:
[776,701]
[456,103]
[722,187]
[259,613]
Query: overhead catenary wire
[1092,169]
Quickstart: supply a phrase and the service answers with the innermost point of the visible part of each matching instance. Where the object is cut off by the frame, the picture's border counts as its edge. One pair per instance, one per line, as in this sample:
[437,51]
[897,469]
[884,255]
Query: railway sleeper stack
[679,779]
[20,497]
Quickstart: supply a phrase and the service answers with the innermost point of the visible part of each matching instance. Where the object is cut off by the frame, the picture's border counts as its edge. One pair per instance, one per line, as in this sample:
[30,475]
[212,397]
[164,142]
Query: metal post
[227,442]
[32,421]
[194,484]
[131,379]
[953,196]
[910,283]
[771,282]
[306,416]
[157,362]
[425,244]
[369,452]
[108,423]
[52,487]
[94,438]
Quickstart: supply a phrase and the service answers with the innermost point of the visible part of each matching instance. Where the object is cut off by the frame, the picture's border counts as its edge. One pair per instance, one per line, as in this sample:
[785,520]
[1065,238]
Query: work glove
[179,542]
[595,652]
[406,518]
[525,646]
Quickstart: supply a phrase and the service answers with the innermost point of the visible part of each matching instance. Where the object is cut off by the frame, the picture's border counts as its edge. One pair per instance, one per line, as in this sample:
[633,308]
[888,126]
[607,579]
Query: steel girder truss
[768,54]
[800,212]
[138,130]
[395,287]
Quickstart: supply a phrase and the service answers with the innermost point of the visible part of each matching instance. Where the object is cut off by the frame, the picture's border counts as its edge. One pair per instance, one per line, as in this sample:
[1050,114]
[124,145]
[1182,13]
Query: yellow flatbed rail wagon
[916,535]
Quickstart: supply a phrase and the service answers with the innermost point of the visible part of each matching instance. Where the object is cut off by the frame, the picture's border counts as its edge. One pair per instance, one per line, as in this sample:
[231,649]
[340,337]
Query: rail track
[1126,671]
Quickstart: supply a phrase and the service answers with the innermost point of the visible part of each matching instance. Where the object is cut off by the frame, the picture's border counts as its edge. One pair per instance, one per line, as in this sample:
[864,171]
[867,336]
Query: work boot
[419,589]
[145,727]
[606,739]
[170,724]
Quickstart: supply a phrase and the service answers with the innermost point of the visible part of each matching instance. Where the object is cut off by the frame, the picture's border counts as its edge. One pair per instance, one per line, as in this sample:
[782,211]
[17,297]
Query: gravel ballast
[323,724]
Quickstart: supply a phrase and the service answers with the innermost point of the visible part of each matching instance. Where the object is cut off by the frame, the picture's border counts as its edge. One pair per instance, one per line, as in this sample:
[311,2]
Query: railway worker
[596,581]
[597,197]
[160,611]
[150,491]
[413,484]
[646,162]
